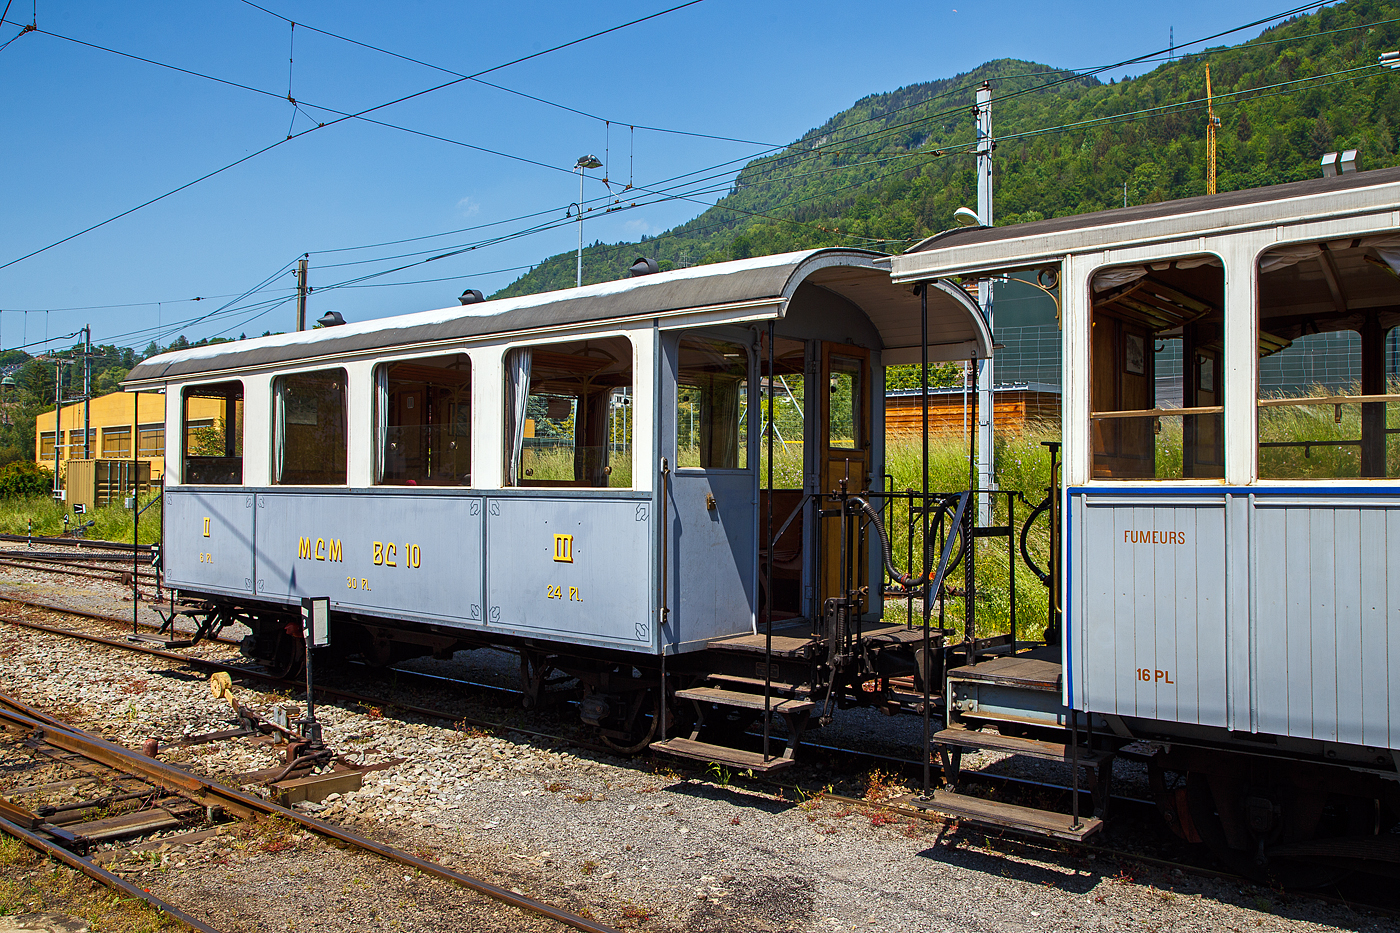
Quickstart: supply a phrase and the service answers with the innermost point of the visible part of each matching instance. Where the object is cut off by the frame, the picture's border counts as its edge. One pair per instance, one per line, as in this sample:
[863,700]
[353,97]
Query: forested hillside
[892,169]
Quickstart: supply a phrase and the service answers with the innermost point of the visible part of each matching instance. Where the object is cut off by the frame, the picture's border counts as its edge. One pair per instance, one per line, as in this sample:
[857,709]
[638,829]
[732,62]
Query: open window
[569,414]
[1329,373]
[1156,393]
[212,422]
[425,421]
[712,397]
[311,438]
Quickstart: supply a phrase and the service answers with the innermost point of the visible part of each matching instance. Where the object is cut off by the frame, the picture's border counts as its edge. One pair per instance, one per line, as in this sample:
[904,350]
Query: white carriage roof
[750,289]
[971,250]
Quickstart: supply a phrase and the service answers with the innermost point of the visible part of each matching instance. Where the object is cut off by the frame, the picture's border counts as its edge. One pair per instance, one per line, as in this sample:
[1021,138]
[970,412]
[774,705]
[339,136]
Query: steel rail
[932,816]
[346,695]
[100,874]
[75,542]
[233,801]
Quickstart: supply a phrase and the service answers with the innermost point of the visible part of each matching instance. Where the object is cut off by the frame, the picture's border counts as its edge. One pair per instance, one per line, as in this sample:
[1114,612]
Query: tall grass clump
[1320,425]
[110,523]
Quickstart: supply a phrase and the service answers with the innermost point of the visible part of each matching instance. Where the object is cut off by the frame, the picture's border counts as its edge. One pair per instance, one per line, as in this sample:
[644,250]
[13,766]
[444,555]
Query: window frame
[380,386]
[279,423]
[1152,261]
[190,391]
[748,400]
[504,411]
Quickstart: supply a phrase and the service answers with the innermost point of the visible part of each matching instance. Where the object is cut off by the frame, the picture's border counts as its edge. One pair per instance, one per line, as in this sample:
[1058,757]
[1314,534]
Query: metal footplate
[1005,815]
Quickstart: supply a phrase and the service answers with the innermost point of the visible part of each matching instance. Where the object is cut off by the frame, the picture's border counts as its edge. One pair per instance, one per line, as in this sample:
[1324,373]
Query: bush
[24,478]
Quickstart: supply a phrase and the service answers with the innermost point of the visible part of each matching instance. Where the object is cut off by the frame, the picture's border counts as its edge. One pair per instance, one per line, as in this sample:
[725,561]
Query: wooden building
[1013,408]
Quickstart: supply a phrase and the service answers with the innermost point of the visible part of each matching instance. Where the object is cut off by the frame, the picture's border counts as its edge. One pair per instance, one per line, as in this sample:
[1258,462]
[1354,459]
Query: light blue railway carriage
[1231,516]
[574,476]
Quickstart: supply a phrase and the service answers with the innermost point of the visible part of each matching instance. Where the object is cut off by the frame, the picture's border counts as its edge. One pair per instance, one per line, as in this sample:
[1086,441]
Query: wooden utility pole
[1212,121]
[301,293]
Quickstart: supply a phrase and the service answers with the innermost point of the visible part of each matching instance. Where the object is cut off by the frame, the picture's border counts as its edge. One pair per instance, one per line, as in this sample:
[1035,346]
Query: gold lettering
[206,527]
[320,548]
[303,549]
[392,553]
[564,549]
[378,553]
[336,553]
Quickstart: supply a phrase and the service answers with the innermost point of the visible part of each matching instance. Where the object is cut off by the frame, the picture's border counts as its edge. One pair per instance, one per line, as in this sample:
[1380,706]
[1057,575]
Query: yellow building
[113,420]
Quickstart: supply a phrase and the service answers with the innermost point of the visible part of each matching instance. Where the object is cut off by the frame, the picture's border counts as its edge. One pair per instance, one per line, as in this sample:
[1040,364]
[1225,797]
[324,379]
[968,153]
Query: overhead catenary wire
[377,107]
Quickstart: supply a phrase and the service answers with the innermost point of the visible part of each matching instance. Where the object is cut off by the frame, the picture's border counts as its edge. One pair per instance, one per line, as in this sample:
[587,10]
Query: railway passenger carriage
[671,487]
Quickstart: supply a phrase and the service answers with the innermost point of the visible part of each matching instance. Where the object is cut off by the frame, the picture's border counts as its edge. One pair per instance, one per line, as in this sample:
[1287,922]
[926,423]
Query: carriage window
[712,396]
[843,431]
[1329,372]
[213,431]
[311,429]
[425,421]
[569,414]
[1156,395]
[787,385]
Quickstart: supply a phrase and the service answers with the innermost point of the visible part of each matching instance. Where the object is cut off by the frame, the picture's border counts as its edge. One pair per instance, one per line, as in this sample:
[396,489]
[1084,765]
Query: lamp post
[588,161]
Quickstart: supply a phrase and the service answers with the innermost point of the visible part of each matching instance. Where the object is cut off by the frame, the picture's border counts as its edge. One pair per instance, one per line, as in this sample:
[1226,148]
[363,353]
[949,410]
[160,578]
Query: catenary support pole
[986,466]
[301,292]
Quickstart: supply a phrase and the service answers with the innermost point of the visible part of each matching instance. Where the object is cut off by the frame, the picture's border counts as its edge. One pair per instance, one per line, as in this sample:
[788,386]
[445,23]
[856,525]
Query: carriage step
[754,701]
[1006,815]
[756,682]
[996,742]
[160,641]
[784,646]
[721,755]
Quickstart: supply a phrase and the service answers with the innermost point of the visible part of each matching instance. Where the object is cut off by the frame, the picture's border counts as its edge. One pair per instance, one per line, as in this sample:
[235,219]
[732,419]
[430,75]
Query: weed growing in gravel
[588,867]
[723,776]
[882,818]
[881,785]
[555,787]
[63,891]
[583,797]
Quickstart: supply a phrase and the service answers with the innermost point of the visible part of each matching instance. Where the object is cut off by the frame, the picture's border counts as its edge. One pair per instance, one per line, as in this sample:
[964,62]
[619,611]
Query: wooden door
[843,443]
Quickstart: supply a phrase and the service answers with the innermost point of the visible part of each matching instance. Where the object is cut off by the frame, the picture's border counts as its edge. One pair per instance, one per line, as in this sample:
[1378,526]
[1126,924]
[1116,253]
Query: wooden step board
[722,697]
[1005,815]
[720,754]
[784,646]
[995,741]
[1023,671]
[786,689]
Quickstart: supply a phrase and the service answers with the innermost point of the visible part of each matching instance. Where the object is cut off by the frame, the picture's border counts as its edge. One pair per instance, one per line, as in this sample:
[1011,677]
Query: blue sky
[90,134]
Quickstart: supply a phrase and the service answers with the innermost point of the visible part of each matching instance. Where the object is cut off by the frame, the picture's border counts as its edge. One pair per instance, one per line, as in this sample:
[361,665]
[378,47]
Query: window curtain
[281,433]
[719,420]
[517,394]
[381,419]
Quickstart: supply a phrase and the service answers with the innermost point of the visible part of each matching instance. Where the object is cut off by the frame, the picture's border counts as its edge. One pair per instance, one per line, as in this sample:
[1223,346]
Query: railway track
[1144,810]
[163,796]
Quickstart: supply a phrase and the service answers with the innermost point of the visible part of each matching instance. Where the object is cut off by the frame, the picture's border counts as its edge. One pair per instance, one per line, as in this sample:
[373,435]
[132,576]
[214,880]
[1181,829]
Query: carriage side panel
[1150,605]
[1323,608]
[400,555]
[573,569]
[209,540]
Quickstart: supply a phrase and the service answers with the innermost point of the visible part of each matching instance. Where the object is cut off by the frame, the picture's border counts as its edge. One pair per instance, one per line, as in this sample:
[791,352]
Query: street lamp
[588,161]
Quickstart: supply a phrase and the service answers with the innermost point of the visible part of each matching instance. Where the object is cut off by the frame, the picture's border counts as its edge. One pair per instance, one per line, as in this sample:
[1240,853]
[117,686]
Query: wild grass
[29,884]
[1023,469]
[110,523]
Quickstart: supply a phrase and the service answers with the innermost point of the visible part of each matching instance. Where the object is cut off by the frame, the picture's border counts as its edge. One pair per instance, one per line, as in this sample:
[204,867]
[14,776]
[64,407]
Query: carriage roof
[747,290]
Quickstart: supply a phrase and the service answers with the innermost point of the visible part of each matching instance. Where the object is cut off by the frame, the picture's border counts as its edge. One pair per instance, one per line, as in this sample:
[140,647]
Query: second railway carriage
[574,476]
[1231,515]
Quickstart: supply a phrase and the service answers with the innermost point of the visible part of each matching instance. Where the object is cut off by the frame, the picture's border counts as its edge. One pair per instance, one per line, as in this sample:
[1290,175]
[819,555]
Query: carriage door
[712,503]
[844,444]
